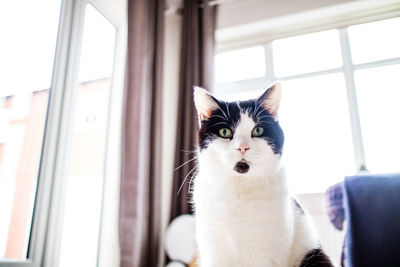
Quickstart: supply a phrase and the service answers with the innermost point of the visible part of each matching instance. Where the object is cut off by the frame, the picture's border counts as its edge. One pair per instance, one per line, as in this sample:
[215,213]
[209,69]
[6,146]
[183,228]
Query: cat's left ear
[271,99]
[205,103]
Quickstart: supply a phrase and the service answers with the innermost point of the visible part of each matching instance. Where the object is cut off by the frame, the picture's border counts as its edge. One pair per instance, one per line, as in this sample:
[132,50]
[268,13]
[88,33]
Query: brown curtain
[197,54]
[139,221]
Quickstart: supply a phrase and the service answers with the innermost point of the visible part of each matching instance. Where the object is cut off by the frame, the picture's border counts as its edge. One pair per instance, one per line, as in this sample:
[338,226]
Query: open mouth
[241,167]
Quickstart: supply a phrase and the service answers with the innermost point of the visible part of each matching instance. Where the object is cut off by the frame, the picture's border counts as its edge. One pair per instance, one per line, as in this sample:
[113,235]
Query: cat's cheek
[214,153]
[230,157]
[262,158]
[222,156]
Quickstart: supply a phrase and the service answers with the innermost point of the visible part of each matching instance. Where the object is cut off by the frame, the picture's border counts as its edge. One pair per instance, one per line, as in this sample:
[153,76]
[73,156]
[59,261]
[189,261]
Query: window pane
[240,64]
[318,150]
[375,41]
[307,53]
[240,96]
[28,31]
[84,193]
[378,93]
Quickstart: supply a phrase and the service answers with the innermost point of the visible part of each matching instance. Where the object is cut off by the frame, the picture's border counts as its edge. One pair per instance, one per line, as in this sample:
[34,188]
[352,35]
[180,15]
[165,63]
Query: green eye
[225,133]
[257,131]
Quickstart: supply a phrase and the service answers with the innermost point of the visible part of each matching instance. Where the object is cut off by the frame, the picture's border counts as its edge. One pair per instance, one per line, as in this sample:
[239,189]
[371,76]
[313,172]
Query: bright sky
[97,51]
[28,32]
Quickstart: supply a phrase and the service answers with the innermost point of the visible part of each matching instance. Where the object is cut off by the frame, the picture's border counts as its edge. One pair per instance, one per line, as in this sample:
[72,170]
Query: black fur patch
[228,115]
[316,258]
[298,206]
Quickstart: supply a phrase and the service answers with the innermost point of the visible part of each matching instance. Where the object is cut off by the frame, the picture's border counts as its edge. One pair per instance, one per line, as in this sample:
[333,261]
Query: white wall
[235,13]
[172,40]
[252,22]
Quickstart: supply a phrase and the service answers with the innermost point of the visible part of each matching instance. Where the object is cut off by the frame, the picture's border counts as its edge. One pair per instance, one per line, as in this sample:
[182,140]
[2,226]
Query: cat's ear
[205,103]
[271,99]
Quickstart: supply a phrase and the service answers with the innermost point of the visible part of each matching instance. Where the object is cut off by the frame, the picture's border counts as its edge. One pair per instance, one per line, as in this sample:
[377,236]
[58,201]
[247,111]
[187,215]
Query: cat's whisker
[265,116]
[191,179]
[218,123]
[218,116]
[184,180]
[226,117]
[183,164]
[259,105]
[183,150]
[227,108]
[190,151]
[259,113]
[266,122]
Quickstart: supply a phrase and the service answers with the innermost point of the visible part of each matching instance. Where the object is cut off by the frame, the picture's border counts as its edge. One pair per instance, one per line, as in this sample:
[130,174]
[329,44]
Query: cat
[244,214]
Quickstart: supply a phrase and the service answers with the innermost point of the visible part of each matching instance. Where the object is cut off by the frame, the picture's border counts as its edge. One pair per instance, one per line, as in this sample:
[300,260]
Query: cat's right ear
[205,103]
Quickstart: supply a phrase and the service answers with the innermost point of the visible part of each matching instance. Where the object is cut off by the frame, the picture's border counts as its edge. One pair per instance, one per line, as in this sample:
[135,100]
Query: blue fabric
[372,206]
[334,196]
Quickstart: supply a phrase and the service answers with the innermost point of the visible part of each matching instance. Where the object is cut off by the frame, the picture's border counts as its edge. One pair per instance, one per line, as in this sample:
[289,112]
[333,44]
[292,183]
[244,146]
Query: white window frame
[347,69]
[44,242]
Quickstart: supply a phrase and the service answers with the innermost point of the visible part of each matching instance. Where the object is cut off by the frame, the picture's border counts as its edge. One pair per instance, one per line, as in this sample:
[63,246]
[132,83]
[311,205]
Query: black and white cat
[245,216]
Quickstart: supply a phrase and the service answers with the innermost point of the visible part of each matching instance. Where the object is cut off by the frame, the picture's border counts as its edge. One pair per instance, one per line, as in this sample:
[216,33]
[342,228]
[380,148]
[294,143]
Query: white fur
[247,219]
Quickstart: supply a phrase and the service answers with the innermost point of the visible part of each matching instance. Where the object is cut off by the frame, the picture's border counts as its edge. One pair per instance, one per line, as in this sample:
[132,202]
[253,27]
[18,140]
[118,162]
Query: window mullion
[348,69]
[269,65]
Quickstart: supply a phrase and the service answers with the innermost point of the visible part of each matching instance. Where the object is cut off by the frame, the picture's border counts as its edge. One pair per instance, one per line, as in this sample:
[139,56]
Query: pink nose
[243,148]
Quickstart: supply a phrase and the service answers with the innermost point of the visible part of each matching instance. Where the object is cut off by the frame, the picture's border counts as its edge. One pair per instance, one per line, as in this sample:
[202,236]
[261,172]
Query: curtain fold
[196,68]
[139,219]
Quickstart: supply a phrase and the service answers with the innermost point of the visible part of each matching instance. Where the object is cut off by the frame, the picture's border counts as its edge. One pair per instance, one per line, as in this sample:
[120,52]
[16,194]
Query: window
[27,54]
[339,107]
[61,92]
[375,41]
[306,53]
[252,64]
[314,116]
[85,179]
[378,91]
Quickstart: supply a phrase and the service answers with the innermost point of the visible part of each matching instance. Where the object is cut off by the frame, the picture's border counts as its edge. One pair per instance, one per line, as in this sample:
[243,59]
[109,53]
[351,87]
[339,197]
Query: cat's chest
[239,206]
[250,222]
[243,222]
[236,211]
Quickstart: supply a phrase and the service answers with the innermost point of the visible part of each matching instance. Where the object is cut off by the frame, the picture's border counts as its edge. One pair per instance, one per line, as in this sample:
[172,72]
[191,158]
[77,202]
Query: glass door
[29,32]
[85,172]
[61,92]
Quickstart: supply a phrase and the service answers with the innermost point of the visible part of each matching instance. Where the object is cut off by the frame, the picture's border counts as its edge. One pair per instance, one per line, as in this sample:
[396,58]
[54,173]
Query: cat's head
[240,138]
